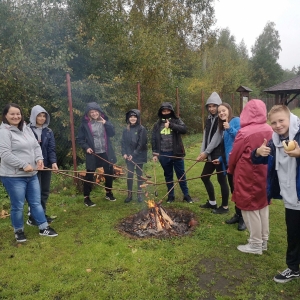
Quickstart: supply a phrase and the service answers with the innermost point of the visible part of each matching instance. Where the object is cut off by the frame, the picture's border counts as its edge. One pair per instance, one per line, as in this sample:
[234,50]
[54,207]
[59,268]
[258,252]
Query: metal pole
[177,102]
[71,122]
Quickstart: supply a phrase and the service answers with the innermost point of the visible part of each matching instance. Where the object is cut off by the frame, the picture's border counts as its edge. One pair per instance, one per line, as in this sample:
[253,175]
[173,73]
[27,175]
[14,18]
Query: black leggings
[208,169]
[108,169]
[139,173]
[230,181]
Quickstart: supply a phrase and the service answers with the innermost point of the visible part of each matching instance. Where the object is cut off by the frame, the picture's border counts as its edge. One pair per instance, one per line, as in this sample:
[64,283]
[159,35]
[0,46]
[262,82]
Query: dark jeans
[208,169]
[108,169]
[292,220]
[130,167]
[230,181]
[44,180]
[170,164]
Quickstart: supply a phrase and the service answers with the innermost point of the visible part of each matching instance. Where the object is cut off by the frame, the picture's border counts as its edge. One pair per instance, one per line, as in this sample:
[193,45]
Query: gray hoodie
[214,98]
[18,149]
[37,109]
[286,167]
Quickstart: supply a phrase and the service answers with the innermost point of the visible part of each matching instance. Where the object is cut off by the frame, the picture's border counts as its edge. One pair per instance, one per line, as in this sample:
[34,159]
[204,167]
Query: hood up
[254,112]
[138,114]
[94,106]
[169,106]
[37,109]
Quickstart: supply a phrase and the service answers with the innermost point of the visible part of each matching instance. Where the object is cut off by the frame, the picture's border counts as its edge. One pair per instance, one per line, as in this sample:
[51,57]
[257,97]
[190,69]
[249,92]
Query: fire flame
[151,203]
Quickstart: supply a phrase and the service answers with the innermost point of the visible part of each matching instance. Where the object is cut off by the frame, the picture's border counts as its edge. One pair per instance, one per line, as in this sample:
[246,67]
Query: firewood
[165,216]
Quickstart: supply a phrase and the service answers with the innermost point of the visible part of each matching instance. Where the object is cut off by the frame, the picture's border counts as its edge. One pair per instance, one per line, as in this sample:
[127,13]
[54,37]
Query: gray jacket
[18,149]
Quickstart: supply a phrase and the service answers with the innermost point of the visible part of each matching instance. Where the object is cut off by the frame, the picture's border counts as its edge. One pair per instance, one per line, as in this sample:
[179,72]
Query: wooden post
[71,123]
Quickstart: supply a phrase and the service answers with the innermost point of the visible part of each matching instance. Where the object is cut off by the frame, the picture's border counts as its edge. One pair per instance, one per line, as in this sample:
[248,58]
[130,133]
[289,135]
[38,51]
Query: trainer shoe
[265,246]
[188,199]
[140,198]
[208,205]
[241,226]
[20,236]
[31,221]
[48,232]
[110,197]
[250,248]
[220,210]
[171,199]
[233,220]
[88,202]
[286,276]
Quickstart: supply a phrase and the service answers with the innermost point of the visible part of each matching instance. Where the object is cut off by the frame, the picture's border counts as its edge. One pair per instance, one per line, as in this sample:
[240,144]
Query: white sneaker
[250,248]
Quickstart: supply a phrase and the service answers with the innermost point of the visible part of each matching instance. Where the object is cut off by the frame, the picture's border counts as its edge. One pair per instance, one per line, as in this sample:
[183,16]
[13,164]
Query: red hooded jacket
[250,181]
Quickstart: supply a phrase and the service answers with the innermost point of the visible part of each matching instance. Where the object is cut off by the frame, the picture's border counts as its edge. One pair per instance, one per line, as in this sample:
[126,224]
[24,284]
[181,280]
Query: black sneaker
[188,199]
[48,232]
[31,221]
[171,199]
[233,220]
[140,198]
[241,225]
[88,202]
[208,205]
[110,197]
[220,210]
[286,276]
[49,219]
[20,236]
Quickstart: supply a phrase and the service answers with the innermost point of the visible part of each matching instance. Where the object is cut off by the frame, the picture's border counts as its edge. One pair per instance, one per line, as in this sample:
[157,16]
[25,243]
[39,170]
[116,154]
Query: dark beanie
[132,113]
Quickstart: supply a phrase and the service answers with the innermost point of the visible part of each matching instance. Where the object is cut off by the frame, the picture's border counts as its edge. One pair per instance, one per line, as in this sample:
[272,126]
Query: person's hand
[129,157]
[263,150]
[167,124]
[216,161]
[226,125]
[40,164]
[28,168]
[54,166]
[89,151]
[295,152]
[125,156]
[155,158]
[202,156]
[103,121]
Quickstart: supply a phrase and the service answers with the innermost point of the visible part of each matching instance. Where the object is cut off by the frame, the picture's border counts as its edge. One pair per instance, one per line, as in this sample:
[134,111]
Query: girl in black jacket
[94,137]
[134,150]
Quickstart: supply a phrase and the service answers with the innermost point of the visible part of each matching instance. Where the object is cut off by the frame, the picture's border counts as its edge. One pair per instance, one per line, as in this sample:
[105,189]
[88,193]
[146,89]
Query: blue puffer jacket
[273,188]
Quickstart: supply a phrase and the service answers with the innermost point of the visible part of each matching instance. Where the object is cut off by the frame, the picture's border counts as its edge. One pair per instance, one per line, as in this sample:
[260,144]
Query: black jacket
[178,128]
[134,139]
[86,140]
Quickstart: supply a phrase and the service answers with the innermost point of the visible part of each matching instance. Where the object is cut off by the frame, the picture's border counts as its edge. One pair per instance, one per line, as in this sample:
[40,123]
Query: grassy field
[90,259]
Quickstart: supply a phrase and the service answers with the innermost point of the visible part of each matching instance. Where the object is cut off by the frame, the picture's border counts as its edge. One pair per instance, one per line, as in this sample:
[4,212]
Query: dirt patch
[136,225]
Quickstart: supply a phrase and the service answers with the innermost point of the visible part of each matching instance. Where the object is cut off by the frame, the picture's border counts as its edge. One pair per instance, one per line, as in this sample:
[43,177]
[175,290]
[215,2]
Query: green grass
[203,265]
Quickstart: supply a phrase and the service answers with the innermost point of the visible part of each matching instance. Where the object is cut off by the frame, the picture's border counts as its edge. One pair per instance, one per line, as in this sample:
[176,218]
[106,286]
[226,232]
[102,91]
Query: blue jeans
[19,189]
[168,164]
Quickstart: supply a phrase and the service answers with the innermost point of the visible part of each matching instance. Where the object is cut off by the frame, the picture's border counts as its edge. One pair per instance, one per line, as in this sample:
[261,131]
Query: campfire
[156,221]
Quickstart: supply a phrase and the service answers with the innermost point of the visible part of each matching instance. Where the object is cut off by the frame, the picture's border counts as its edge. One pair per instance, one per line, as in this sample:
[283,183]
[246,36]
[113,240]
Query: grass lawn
[90,259]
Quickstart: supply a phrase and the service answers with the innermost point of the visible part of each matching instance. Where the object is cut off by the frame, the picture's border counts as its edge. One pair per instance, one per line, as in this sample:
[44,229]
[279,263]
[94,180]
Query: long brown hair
[230,115]
[5,111]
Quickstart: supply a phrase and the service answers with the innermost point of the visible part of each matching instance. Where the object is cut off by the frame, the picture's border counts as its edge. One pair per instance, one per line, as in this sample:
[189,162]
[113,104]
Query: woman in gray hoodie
[21,157]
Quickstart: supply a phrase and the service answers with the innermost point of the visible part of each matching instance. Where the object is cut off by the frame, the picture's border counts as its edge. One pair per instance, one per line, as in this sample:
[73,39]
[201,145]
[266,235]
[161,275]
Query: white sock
[212,202]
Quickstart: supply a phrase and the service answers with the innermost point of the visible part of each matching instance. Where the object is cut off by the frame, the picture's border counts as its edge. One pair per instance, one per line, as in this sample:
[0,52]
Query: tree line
[107,46]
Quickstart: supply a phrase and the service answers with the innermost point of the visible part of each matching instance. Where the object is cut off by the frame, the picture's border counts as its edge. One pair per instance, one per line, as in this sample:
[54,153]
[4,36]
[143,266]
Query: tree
[266,71]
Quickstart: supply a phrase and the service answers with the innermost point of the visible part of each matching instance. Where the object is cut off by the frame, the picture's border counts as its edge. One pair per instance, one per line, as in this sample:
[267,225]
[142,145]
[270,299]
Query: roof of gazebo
[291,86]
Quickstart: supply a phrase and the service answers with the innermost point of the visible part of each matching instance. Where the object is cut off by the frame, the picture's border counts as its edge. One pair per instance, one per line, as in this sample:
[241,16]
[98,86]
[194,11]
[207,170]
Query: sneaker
[171,199]
[20,236]
[188,199]
[208,205]
[88,202]
[49,219]
[31,222]
[286,276]
[265,246]
[220,210]
[250,248]
[48,232]
[233,220]
[110,197]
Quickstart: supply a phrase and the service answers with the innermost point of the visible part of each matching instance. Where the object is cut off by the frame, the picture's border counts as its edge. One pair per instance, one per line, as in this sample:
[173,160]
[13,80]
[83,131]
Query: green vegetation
[90,259]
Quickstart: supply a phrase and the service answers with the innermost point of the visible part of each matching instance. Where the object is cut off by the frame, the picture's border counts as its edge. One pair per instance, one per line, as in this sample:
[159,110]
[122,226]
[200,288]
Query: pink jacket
[250,181]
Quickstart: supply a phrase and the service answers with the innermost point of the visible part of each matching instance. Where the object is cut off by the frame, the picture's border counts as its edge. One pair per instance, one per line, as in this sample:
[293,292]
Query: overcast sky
[247,19]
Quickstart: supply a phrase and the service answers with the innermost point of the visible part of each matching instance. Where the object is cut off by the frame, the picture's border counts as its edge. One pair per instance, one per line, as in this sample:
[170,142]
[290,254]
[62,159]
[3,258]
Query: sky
[246,20]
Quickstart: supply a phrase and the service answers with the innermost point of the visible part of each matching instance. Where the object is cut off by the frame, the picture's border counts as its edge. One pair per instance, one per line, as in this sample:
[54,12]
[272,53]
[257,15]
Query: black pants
[130,167]
[292,220]
[108,169]
[222,179]
[230,181]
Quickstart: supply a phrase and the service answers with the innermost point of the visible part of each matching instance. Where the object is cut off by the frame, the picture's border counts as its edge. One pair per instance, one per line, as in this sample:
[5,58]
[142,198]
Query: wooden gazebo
[284,90]
[244,95]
